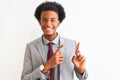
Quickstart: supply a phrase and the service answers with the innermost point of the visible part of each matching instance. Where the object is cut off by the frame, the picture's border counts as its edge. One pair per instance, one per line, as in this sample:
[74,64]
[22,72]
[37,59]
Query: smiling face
[49,23]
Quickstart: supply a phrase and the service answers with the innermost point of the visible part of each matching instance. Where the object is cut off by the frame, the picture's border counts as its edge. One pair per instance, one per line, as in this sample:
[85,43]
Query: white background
[94,23]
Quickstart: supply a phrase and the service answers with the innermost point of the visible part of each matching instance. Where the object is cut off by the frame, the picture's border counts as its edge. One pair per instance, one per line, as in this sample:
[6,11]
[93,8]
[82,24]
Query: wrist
[43,69]
[81,71]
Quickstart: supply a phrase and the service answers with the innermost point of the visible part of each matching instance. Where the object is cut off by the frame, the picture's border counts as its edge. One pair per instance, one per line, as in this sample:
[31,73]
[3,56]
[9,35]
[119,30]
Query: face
[49,23]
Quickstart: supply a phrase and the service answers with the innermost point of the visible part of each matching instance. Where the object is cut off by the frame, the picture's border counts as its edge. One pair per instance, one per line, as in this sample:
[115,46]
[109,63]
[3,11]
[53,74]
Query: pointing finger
[78,53]
[77,49]
[59,49]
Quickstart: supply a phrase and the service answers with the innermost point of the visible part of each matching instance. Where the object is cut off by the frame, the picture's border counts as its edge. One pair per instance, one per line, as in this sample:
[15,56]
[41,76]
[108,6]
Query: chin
[48,34]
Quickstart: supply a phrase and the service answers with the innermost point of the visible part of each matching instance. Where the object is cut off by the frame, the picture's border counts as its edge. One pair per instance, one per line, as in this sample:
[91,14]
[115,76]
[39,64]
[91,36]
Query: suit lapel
[41,50]
[60,73]
[62,43]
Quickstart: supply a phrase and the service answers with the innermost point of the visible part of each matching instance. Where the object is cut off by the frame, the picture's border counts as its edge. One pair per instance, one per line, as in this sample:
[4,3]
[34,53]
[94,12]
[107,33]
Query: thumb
[59,49]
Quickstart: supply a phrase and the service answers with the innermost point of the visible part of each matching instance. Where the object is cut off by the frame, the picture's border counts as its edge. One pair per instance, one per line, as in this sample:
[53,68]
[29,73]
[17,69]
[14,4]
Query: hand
[55,60]
[79,60]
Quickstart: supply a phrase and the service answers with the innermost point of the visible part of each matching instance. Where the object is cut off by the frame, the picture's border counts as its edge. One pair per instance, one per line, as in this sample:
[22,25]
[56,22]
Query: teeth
[48,28]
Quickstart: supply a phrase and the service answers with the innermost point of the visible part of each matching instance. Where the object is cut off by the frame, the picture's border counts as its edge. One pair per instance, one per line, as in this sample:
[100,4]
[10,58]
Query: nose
[48,23]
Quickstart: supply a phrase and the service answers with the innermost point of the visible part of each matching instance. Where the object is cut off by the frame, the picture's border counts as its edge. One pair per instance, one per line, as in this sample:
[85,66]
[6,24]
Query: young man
[52,57]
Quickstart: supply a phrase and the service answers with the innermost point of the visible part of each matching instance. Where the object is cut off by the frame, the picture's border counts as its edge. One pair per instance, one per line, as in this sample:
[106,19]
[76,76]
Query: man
[66,58]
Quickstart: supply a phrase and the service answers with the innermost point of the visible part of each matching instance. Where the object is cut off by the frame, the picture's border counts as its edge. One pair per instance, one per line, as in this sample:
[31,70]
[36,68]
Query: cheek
[56,25]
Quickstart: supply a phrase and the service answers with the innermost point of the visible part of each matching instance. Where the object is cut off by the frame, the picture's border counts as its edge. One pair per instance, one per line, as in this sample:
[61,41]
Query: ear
[39,22]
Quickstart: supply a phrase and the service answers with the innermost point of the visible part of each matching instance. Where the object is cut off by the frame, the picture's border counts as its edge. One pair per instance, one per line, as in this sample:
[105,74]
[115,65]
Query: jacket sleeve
[82,77]
[28,73]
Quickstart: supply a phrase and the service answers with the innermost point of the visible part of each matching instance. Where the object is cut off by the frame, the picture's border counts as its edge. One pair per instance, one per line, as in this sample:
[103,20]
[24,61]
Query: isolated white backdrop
[93,23]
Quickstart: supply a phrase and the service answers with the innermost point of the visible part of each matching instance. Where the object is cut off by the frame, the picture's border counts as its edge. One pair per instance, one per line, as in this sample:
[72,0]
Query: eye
[44,20]
[53,20]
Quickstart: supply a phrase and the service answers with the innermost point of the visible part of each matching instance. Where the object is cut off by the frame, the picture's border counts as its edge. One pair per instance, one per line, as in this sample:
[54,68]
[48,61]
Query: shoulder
[34,42]
[68,40]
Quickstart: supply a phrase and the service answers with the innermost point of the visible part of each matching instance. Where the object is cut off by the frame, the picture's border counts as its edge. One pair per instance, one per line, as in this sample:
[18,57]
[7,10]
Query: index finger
[78,45]
[59,48]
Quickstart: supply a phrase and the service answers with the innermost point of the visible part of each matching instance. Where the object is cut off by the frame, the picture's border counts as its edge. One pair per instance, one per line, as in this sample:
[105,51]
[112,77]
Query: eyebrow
[46,18]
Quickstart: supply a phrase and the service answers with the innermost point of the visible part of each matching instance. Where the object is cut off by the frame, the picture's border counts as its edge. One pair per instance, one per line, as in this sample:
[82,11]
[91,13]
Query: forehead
[49,14]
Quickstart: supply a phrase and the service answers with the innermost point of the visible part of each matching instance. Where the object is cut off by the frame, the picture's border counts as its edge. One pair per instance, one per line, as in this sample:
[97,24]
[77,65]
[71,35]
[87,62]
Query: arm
[79,63]
[28,72]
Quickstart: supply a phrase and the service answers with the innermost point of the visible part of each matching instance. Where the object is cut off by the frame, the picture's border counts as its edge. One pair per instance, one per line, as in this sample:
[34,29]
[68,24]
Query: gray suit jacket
[34,57]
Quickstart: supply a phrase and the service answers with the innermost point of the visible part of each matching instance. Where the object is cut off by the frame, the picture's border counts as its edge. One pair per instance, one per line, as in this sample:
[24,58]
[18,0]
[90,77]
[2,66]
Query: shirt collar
[55,41]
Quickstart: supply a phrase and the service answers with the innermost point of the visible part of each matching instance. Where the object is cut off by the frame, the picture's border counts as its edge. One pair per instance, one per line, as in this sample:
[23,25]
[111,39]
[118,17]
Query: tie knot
[49,44]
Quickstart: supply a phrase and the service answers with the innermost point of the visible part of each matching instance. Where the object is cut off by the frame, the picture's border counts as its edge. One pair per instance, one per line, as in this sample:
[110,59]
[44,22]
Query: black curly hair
[46,6]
